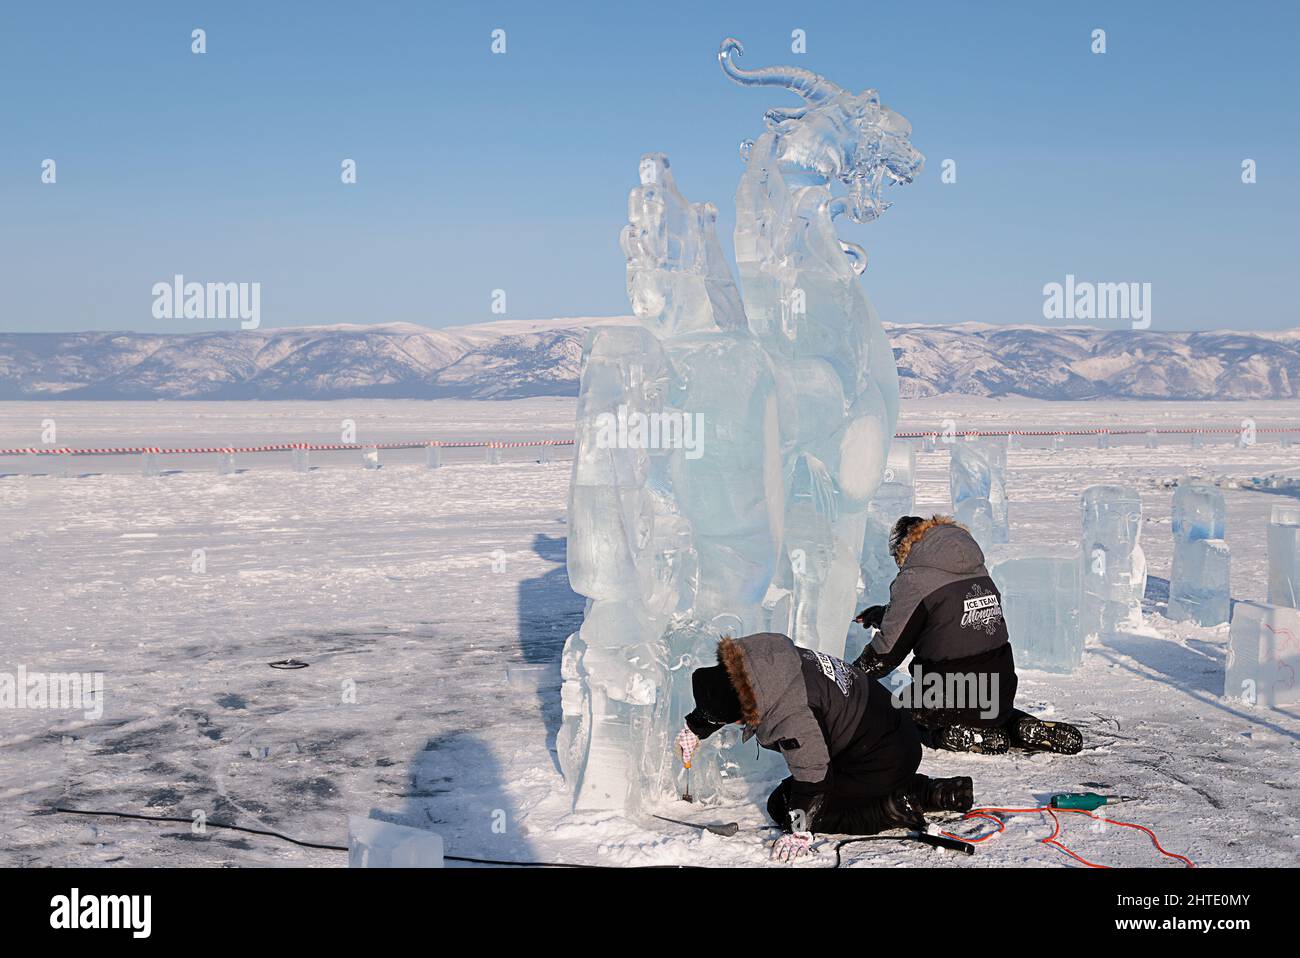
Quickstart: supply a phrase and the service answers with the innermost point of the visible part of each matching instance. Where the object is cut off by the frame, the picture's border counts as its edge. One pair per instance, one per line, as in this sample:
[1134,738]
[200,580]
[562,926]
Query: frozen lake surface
[409,592]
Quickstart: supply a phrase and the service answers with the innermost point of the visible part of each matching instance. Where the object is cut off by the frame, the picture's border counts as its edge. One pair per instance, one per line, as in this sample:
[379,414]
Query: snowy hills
[517,359]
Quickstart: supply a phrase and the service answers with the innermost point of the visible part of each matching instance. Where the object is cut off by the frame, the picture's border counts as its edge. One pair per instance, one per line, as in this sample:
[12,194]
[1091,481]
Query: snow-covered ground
[409,592]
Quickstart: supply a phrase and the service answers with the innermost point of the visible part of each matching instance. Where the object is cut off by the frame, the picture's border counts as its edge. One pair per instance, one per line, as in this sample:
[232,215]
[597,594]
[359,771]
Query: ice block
[895,497]
[1199,582]
[977,484]
[1040,589]
[1114,566]
[1263,655]
[1284,555]
[376,844]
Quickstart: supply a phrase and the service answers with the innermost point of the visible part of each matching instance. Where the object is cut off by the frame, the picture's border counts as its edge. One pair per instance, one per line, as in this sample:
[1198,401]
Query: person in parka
[945,609]
[851,752]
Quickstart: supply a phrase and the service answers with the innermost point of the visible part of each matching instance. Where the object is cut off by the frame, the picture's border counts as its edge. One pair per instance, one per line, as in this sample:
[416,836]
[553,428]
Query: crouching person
[852,754]
[944,608]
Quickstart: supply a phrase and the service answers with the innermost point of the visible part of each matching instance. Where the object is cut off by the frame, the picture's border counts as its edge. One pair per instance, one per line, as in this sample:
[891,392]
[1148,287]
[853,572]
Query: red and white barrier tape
[1182,431]
[276,447]
[341,446]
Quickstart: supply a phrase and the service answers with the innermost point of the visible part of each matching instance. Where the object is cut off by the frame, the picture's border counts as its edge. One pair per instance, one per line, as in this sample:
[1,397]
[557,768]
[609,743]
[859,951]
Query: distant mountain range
[518,359]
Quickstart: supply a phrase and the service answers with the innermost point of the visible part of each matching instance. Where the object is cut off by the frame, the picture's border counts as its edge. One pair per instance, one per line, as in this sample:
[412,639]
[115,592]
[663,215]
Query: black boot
[968,738]
[1035,735]
[942,794]
[899,810]
[871,815]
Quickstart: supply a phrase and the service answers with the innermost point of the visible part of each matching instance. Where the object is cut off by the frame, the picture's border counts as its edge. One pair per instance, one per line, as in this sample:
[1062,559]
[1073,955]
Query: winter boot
[871,815]
[1035,735]
[968,738]
[942,794]
[900,810]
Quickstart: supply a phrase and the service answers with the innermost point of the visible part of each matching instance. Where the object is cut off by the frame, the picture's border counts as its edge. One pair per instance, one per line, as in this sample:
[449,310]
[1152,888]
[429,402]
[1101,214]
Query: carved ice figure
[1200,580]
[1114,565]
[786,387]
[978,486]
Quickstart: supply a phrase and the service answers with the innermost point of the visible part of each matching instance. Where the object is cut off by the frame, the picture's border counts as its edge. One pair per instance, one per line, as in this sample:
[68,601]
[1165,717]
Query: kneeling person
[852,754]
[944,607]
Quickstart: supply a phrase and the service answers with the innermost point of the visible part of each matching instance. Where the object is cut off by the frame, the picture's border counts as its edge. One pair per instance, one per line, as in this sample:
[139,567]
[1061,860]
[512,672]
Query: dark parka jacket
[837,730]
[944,608]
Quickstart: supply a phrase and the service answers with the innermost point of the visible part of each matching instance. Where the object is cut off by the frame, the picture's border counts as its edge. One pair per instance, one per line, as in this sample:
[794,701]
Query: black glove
[872,662]
[871,618]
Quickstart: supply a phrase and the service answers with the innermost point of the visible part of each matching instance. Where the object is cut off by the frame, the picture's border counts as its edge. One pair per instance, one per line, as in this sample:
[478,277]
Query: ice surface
[977,482]
[1040,589]
[1114,566]
[1199,583]
[1284,556]
[376,844]
[370,597]
[728,450]
[1263,655]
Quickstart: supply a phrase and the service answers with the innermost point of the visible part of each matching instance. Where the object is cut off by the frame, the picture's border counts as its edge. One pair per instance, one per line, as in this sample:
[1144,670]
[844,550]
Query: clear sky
[479,171]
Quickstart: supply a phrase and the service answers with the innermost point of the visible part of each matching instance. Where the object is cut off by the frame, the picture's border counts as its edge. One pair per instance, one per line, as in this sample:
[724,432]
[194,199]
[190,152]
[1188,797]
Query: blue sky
[478,172]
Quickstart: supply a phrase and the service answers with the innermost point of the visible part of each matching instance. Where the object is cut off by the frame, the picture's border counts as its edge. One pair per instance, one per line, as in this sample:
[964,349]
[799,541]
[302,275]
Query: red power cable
[988,814]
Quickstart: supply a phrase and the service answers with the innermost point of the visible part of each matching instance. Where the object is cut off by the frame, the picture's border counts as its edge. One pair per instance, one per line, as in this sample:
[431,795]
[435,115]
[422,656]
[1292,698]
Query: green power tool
[1087,801]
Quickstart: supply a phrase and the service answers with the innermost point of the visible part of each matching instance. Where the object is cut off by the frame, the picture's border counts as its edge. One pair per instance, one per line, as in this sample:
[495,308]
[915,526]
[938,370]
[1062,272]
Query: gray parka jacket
[820,713]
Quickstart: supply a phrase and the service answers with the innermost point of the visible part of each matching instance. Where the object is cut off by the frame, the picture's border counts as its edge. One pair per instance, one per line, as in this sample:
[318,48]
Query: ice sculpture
[1199,582]
[1040,589]
[1114,566]
[977,482]
[1263,655]
[727,449]
[895,497]
[1284,556]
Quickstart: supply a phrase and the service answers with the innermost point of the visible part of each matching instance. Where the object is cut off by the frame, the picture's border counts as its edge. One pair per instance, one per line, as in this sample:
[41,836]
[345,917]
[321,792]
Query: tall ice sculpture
[977,481]
[729,447]
[1114,565]
[1199,583]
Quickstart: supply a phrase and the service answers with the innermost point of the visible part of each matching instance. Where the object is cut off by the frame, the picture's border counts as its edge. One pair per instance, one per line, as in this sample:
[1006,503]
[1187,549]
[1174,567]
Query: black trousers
[859,786]
[993,671]
[846,815]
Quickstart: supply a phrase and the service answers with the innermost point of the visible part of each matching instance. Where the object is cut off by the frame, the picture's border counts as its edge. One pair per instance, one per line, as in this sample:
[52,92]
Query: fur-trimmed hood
[941,542]
[803,704]
[762,667]
[731,658]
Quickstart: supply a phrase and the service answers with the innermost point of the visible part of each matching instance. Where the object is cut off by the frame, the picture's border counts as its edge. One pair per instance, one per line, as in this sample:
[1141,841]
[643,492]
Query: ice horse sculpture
[727,449]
